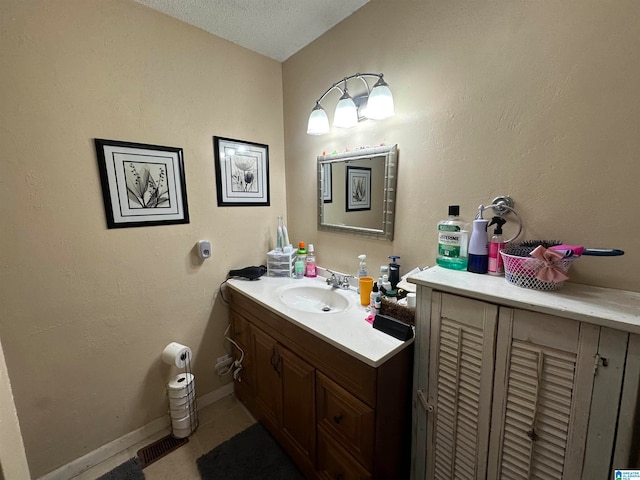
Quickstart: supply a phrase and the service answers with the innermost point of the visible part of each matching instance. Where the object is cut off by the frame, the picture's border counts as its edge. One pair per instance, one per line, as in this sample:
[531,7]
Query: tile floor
[217,423]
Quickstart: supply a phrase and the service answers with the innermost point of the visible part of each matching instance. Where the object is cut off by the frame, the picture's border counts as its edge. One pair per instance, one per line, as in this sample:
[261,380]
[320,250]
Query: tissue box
[280,264]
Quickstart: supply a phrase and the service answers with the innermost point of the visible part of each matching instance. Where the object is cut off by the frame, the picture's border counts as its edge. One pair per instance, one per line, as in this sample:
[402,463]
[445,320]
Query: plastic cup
[366,287]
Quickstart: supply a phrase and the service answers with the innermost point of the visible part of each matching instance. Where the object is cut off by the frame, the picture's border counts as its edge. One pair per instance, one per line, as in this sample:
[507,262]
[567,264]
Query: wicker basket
[521,271]
[399,312]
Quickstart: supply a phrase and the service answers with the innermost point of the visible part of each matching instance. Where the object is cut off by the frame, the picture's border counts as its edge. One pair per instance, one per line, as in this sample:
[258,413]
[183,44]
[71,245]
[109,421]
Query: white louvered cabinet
[511,388]
[460,386]
[542,392]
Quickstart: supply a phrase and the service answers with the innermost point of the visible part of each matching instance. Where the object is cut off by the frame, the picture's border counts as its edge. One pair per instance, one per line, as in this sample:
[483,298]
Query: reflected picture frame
[142,185]
[358,188]
[242,172]
[327,183]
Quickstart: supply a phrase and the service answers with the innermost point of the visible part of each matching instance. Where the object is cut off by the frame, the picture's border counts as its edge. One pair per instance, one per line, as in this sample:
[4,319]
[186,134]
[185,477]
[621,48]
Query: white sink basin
[315,298]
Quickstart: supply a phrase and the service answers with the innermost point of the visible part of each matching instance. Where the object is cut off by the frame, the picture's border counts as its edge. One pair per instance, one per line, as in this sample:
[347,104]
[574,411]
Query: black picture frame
[358,189]
[242,173]
[142,185]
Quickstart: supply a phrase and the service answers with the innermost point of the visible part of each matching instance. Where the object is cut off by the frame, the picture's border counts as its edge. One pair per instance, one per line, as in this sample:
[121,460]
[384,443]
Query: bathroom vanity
[334,392]
[518,383]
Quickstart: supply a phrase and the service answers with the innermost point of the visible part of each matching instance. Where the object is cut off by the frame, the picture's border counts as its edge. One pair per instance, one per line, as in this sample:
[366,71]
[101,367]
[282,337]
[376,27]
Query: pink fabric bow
[552,270]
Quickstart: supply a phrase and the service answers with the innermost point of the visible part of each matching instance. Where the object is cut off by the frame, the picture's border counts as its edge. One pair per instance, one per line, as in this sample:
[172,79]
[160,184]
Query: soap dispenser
[394,271]
[478,261]
[362,268]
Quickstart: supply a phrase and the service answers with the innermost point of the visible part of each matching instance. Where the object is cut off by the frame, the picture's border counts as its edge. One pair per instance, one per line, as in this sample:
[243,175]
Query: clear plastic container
[280,264]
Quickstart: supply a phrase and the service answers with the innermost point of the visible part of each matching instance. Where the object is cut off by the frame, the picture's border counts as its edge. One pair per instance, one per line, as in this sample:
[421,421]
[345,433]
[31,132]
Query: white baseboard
[79,465]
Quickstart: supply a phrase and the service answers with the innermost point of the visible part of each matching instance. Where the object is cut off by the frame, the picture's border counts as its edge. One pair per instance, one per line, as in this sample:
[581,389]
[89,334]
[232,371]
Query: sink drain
[326,308]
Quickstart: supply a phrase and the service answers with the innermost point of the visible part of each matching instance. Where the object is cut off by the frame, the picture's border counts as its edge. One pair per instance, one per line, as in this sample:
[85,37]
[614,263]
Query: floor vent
[159,449]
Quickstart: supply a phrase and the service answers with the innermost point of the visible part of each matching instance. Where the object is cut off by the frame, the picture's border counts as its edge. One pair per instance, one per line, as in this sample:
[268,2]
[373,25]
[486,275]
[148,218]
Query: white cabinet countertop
[347,330]
[618,309]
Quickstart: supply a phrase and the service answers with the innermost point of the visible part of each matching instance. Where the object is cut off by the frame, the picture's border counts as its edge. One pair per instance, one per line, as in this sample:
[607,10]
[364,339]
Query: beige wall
[533,99]
[86,311]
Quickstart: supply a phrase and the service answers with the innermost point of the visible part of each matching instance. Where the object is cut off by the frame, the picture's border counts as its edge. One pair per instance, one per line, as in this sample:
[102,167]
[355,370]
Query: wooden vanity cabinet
[337,417]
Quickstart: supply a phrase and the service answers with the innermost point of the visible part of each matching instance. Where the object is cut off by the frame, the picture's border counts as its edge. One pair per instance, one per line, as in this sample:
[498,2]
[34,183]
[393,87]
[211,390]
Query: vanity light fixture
[376,104]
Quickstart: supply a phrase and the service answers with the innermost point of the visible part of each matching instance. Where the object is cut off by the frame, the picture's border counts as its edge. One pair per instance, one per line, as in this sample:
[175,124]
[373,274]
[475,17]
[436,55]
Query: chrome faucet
[338,281]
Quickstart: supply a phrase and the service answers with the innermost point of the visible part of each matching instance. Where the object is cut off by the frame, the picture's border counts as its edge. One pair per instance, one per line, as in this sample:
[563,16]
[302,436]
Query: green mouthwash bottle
[453,241]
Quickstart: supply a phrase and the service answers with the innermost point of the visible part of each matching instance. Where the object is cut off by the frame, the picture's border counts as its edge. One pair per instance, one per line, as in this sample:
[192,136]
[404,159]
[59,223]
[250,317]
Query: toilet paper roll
[181,382]
[176,354]
[181,432]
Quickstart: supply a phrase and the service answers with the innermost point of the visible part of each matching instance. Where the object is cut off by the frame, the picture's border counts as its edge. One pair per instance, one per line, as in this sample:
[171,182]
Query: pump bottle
[496,245]
[394,271]
[479,245]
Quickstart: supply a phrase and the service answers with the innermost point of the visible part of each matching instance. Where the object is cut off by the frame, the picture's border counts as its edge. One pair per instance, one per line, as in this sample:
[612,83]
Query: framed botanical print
[358,184]
[242,172]
[142,185]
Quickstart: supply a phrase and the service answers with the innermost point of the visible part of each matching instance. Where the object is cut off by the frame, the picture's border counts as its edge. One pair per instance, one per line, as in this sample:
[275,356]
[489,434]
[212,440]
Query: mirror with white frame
[357,192]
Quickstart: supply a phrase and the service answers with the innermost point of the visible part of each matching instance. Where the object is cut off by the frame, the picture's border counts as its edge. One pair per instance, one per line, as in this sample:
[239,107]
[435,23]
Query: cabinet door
[297,410]
[460,386]
[267,389]
[543,386]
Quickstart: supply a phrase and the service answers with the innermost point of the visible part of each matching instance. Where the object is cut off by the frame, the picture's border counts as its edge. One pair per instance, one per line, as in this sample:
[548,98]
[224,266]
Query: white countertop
[345,330]
[606,307]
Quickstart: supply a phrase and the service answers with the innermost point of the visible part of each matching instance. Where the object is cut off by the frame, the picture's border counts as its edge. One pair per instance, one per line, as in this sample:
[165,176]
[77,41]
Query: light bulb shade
[380,104]
[346,115]
[318,121]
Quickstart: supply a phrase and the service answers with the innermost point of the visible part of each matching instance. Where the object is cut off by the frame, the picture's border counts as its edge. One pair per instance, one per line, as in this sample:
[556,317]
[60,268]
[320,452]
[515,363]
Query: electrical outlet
[222,358]
[224,363]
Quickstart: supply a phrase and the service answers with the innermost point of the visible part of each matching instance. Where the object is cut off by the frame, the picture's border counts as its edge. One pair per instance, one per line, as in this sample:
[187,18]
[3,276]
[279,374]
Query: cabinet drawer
[334,463]
[345,418]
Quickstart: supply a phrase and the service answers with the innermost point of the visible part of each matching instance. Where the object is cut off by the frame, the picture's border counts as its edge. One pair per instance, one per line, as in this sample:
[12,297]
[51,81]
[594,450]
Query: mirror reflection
[357,192]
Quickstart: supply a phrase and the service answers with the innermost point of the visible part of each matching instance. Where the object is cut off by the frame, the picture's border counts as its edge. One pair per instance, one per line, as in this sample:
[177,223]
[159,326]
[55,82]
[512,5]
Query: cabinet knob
[533,436]
[337,418]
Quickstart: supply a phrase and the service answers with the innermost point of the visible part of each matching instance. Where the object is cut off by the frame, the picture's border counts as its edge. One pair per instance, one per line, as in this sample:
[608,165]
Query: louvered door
[543,384]
[460,387]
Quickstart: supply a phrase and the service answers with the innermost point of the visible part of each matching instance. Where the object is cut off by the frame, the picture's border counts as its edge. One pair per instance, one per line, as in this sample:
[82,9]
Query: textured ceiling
[274,28]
